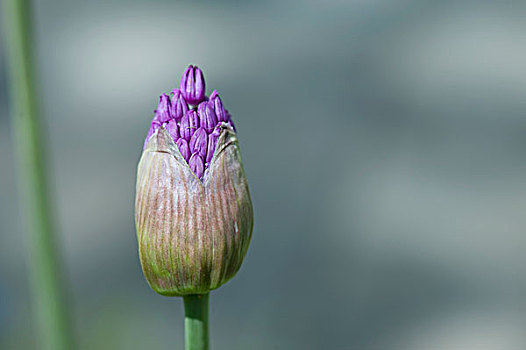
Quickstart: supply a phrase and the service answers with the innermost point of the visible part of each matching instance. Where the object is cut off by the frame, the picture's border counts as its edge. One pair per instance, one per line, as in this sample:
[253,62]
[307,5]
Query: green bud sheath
[193,234]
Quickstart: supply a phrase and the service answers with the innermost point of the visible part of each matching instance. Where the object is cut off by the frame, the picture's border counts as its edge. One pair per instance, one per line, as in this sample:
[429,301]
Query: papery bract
[193,234]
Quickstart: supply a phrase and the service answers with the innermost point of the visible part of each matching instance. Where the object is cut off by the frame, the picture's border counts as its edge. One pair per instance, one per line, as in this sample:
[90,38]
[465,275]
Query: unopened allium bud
[211,144]
[163,109]
[217,105]
[179,106]
[198,142]
[173,129]
[193,85]
[207,116]
[189,124]
[196,164]
[193,211]
[182,145]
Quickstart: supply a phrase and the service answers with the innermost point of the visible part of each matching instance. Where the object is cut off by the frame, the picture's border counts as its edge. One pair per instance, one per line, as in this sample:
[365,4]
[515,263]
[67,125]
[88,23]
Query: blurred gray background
[384,142]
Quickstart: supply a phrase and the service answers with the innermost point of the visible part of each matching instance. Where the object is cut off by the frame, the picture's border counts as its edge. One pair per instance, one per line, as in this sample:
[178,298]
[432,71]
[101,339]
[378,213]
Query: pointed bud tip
[163,109]
[193,85]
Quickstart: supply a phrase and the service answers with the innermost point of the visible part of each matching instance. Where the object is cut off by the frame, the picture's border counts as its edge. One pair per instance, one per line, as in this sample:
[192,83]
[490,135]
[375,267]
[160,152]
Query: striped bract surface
[192,233]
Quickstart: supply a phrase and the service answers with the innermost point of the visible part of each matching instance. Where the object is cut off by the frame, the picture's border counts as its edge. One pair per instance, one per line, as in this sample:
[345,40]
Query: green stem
[47,292]
[196,322]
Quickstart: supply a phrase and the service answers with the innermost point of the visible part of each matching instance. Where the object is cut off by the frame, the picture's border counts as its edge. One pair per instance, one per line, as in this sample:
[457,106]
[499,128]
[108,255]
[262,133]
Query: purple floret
[189,124]
[193,85]
[183,148]
[179,106]
[207,116]
[211,145]
[173,129]
[198,142]
[163,109]
[217,105]
[196,164]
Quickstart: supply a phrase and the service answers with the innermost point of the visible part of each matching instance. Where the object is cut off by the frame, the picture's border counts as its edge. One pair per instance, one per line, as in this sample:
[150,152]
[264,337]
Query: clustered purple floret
[192,119]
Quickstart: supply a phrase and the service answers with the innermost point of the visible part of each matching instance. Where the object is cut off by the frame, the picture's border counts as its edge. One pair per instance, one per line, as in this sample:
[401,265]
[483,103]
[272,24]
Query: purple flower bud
[183,148]
[163,109]
[173,129]
[207,116]
[194,217]
[212,141]
[198,142]
[179,106]
[213,95]
[189,124]
[193,85]
[217,105]
[196,164]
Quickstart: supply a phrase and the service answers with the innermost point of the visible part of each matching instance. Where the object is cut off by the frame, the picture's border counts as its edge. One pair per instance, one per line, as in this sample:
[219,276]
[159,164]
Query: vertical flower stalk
[193,211]
[46,284]
[196,321]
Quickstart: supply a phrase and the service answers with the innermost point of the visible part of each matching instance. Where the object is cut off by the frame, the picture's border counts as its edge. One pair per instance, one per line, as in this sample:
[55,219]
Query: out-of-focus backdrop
[384,141]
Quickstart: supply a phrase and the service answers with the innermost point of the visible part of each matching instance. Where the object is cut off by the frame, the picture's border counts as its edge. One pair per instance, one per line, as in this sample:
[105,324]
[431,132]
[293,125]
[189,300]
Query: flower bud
[189,124]
[196,164]
[163,109]
[207,116]
[173,129]
[193,85]
[179,106]
[193,211]
[198,142]
[211,144]
[192,233]
[217,105]
[182,145]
